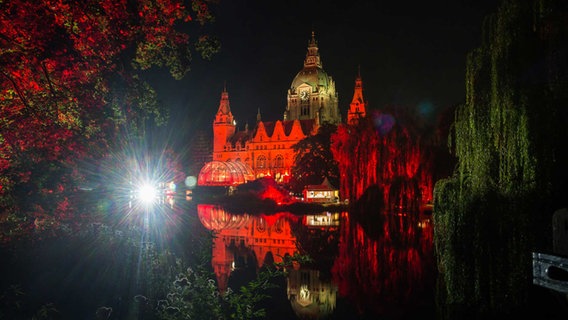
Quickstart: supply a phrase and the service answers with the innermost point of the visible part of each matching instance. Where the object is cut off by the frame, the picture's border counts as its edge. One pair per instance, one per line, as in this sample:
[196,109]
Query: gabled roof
[325,185]
[305,125]
[240,136]
[269,127]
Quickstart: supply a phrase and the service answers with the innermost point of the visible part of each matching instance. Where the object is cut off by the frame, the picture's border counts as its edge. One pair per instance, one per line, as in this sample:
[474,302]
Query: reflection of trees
[245,266]
[320,244]
[385,262]
[388,272]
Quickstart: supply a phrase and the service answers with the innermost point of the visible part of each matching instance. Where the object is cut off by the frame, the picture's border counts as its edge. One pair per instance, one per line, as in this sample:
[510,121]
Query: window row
[228,147]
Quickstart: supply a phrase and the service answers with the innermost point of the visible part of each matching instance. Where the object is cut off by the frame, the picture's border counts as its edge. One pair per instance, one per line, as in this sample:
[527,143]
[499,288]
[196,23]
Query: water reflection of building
[240,238]
[310,296]
[326,219]
[235,233]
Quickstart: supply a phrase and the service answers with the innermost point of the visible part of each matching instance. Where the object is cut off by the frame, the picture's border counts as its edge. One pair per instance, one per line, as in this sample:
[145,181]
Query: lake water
[363,267]
[366,263]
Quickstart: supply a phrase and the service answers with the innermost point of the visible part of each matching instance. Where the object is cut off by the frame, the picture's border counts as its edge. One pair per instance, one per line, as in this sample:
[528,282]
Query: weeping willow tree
[510,141]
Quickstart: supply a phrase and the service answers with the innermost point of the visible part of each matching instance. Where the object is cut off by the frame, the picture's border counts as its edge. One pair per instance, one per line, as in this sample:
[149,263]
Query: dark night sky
[411,53]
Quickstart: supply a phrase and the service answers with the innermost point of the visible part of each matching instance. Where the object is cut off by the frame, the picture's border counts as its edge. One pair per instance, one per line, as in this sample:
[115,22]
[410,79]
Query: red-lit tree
[385,166]
[386,150]
[69,85]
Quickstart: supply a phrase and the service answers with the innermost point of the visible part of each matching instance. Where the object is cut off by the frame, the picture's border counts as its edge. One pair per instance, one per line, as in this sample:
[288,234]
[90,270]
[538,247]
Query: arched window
[261,162]
[278,226]
[261,225]
[279,161]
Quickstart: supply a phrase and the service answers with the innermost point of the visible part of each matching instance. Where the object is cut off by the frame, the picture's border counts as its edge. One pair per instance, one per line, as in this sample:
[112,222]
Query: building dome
[216,218]
[316,77]
[228,173]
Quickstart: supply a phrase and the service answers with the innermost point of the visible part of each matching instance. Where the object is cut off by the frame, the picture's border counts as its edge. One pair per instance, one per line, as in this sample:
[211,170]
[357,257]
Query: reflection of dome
[219,173]
[215,218]
[316,77]
[310,297]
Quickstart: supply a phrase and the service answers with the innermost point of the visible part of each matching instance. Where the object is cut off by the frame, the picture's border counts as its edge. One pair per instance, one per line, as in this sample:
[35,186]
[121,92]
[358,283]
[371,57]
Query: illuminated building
[224,173]
[323,193]
[312,100]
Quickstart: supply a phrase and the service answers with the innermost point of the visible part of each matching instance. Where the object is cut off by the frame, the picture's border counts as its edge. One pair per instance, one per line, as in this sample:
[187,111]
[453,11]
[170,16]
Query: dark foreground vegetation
[126,272]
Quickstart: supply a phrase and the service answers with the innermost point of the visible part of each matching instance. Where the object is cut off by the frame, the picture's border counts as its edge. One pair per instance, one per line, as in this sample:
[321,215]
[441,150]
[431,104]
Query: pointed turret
[224,114]
[258,118]
[312,56]
[224,125]
[357,109]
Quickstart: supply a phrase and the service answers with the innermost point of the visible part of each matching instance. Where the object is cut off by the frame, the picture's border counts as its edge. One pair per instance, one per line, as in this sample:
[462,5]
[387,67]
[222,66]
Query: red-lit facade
[268,147]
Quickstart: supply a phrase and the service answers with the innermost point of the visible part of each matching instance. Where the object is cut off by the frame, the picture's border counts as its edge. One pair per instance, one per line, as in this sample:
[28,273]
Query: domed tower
[312,94]
[224,125]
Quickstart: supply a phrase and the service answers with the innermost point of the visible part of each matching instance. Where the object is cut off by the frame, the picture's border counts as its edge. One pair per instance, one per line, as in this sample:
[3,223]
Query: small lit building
[321,193]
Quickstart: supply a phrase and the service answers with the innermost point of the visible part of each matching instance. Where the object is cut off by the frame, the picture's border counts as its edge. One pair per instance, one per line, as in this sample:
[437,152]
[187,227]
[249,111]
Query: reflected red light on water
[385,274]
[385,261]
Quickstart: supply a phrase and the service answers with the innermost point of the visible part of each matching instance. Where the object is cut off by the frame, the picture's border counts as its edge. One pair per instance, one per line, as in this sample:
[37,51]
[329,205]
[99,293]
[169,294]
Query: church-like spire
[224,114]
[258,118]
[224,126]
[312,56]
[357,109]
[313,42]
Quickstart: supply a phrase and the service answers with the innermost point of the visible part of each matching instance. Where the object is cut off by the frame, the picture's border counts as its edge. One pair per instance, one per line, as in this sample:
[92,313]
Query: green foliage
[46,312]
[14,304]
[243,304]
[508,139]
[13,227]
[11,301]
[194,295]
